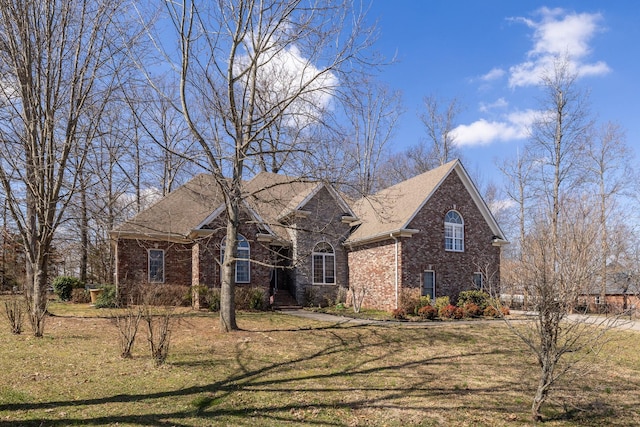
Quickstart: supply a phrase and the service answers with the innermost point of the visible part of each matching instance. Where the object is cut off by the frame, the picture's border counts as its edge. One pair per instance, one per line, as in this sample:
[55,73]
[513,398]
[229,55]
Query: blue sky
[486,53]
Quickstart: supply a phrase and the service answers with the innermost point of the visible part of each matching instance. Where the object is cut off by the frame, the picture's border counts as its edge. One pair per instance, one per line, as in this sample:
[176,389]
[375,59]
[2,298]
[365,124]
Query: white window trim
[223,246]
[150,280]
[433,297]
[456,229]
[324,255]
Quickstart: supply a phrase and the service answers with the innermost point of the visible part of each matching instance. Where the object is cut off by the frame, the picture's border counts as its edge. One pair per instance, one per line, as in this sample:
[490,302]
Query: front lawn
[285,370]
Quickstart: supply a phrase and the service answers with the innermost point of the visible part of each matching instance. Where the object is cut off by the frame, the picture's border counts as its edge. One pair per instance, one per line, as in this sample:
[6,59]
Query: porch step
[283,300]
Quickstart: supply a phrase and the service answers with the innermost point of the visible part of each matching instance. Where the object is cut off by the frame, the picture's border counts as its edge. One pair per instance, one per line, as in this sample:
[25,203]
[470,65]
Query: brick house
[290,238]
[622,294]
[432,234]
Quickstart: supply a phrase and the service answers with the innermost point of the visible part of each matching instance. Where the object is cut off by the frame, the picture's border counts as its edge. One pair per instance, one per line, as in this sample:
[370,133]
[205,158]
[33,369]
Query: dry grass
[283,370]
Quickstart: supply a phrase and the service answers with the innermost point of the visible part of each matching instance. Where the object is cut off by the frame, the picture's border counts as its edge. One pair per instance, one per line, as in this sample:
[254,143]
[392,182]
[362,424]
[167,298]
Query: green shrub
[250,298]
[256,299]
[63,286]
[427,312]
[213,299]
[107,299]
[479,298]
[441,302]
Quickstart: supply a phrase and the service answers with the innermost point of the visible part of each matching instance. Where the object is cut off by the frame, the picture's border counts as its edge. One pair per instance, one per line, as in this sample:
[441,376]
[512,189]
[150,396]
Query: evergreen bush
[63,286]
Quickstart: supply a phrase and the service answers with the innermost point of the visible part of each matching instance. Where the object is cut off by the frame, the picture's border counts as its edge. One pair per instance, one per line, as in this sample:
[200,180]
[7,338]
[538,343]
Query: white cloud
[285,77]
[498,206]
[558,33]
[500,103]
[494,74]
[483,132]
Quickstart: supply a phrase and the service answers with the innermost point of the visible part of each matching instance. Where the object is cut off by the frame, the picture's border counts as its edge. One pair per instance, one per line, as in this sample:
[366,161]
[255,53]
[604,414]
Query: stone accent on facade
[320,220]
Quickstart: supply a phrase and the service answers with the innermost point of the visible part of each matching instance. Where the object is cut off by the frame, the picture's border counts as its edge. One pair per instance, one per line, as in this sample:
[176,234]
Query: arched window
[323,264]
[243,271]
[453,232]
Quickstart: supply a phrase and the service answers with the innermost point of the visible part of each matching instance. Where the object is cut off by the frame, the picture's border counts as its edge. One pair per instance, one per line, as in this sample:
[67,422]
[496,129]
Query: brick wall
[425,250]
[373,265]
[133,265]
[189,263]
[208,256]
[372,268]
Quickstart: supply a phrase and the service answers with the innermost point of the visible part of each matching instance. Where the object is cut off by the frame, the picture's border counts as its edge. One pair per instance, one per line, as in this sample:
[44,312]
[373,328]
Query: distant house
[430,235]
[622,293]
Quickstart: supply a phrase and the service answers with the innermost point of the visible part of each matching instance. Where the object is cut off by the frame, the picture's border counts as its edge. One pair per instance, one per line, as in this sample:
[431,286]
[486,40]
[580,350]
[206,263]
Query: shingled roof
[269,198]
[390,211]
[174,216]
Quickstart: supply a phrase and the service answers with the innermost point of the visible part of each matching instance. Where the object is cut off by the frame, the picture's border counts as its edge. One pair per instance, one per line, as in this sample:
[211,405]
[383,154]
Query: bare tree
[439,123]
[372,110]
[436,149]
[558,254]
[608,163]
[519,173]
[244,66]
[54,56]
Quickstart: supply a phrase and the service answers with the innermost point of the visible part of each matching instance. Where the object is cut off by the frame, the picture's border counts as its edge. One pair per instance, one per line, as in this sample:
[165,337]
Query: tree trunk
[546,375]
[36,295]
[227,289]
[84,229]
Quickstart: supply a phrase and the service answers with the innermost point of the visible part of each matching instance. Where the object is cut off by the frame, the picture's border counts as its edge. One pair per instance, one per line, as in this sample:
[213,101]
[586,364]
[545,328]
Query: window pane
[318,269]
[156,265]
[428,284]
[329,269]
[242,271]
[243,268]
[454,234]
[477,280]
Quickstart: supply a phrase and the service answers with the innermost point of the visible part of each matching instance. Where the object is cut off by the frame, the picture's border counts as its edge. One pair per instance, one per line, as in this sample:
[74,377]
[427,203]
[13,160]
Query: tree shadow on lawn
[278,377]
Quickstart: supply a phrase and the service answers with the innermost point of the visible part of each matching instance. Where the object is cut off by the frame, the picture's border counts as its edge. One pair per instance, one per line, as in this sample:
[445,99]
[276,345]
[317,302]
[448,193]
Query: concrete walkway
[330,318]
[622,323]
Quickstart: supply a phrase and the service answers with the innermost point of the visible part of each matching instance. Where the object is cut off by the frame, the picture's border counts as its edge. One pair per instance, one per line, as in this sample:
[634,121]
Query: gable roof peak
[391,210]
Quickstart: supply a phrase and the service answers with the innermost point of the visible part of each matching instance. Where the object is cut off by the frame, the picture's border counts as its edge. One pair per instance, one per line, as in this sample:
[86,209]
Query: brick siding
[373,265]
[425,250]
[370,267]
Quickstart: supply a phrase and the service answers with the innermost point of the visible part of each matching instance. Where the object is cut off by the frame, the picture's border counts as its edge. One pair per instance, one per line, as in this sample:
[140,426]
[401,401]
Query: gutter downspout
[395,239]
[116,257]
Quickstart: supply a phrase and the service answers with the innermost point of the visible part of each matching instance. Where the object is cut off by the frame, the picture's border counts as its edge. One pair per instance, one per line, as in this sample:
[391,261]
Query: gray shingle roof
[175,215]
[270,196]
[392,209]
